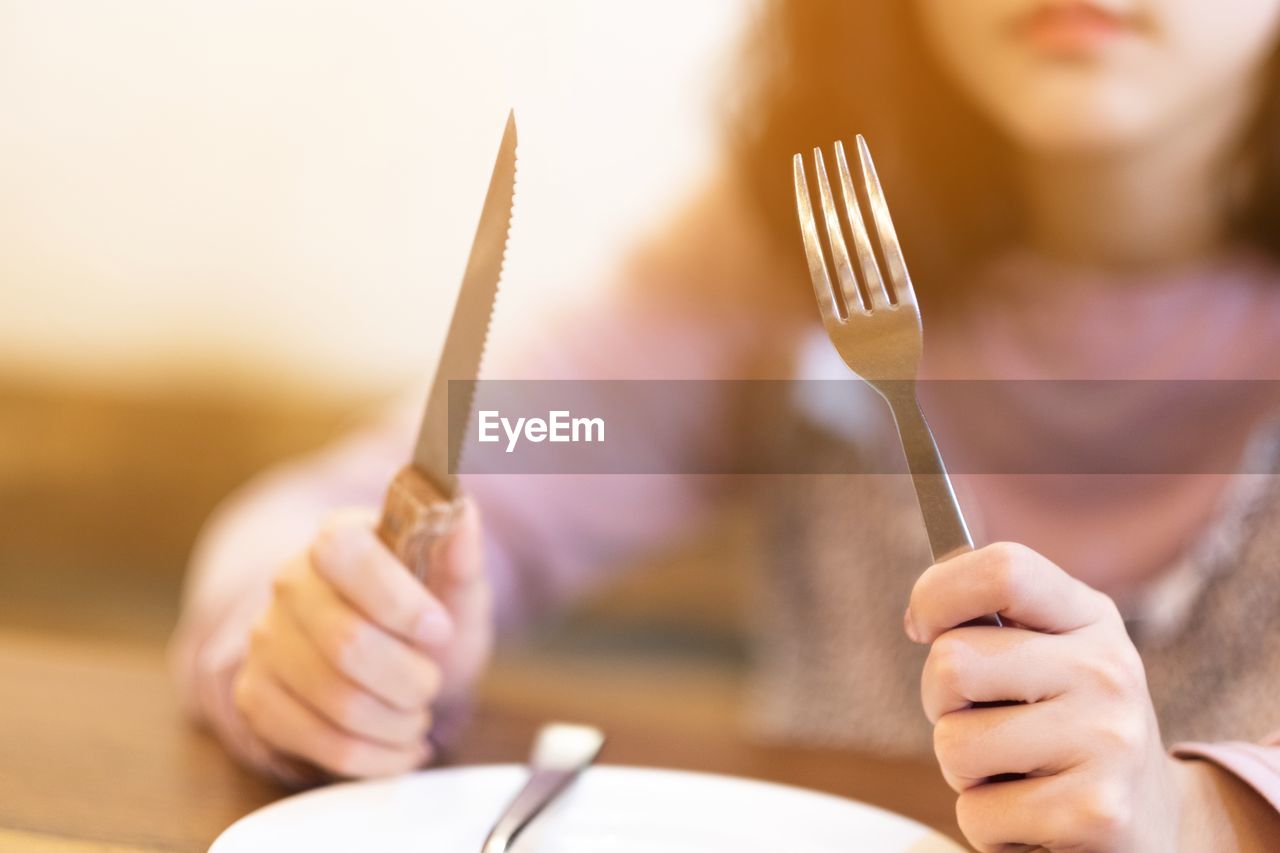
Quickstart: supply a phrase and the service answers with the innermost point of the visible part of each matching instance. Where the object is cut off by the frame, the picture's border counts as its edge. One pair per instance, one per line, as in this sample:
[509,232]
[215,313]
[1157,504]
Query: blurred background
[230,231]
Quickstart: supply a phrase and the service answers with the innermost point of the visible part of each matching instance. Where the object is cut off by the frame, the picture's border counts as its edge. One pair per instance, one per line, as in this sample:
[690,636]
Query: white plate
[609,810]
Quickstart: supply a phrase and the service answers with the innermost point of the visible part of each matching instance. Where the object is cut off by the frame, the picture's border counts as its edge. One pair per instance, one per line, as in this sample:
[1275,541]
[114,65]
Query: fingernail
[432,628]
[910,626]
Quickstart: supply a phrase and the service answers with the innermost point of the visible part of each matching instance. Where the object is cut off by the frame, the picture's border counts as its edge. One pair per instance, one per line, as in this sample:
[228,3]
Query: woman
[1085,192]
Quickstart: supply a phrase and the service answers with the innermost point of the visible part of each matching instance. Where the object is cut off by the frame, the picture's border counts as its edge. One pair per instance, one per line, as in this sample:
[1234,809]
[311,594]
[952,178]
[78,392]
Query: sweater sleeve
[1256,764]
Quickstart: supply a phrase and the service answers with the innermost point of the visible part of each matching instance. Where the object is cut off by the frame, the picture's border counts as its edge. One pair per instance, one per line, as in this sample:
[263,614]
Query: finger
[976,744]
[349,555]
[1004,578]
[993,817]
[281,720]
[386,666]
[987,664]
[298,665]
[464,589]
[1067,812]
[456,563]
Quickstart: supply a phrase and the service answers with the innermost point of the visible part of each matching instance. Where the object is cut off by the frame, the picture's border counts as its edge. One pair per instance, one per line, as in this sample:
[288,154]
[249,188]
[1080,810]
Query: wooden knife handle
[415,516]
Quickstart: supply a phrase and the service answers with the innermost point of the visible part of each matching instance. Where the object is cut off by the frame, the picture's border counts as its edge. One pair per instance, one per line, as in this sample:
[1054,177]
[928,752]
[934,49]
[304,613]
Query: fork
[561,752]
[876,329]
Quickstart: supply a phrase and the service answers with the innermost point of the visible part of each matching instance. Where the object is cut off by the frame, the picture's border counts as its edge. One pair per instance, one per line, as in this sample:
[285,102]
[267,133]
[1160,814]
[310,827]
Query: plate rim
[291,799]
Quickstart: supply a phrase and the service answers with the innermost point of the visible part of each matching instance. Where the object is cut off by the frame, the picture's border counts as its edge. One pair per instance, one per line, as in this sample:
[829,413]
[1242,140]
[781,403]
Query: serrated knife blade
[421,501]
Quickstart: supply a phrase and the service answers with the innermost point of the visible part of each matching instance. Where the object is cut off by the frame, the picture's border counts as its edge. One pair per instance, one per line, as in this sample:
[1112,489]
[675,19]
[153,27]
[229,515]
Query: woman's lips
[1071,28]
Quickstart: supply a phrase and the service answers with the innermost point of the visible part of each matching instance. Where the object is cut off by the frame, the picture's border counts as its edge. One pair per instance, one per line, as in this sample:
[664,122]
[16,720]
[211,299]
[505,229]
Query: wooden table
[96,756]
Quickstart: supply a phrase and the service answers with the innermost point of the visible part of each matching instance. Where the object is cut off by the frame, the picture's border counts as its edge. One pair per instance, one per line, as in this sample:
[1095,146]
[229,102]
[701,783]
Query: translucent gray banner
[1112,427]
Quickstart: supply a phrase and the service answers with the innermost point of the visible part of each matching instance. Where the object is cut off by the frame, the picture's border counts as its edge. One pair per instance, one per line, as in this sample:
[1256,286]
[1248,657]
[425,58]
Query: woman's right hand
[347,662]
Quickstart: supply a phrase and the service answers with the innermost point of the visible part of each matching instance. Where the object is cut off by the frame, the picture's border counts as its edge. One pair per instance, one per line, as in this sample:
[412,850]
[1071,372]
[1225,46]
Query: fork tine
[903,290]
[813,249]
[835,236]
[866,255]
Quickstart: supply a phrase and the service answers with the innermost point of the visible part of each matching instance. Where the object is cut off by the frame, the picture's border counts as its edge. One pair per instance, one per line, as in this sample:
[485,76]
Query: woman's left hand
[1084,738]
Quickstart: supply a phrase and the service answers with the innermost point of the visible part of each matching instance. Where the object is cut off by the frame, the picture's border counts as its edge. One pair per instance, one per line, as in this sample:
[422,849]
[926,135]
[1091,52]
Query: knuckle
[248,699]
[342,755]
[1109,609]
[1116,676]
[947,663]
[351,647]
[284,584]
[403,612]
[1004,569]
[1004,553]
[919,590]
[408,726]
[945,743]
[421,682]
[347,706]
[329,544]
[1119,736]
[954,748]
[412,760]
[430,679]
[411,728]
[923,590]
[259,636]
[1101,814]
[244,695]
[970,817]
[327,534]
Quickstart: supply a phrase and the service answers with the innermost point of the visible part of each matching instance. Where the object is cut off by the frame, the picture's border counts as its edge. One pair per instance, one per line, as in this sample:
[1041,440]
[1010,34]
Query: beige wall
[269,194]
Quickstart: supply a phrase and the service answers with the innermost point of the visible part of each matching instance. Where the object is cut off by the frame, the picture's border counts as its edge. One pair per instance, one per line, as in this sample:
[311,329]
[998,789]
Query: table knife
[422,502]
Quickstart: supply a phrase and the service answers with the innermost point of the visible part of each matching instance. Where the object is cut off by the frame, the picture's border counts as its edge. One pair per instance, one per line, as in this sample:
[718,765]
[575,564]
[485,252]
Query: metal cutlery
[560,754]
[873,320]
[422,502]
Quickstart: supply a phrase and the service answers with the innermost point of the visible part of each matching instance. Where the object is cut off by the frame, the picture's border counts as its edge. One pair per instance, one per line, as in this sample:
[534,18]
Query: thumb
[459,581]
[456,576]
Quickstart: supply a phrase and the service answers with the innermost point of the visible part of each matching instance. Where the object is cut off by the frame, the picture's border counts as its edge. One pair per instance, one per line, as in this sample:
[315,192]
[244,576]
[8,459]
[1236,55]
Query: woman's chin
[1058,127]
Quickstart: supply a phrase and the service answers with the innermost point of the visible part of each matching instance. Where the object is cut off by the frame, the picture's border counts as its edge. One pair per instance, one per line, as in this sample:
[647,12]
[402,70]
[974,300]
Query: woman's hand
[1095,774]
[345,665]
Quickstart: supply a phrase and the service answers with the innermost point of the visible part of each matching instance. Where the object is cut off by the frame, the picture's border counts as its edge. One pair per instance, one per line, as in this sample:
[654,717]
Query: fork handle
[943,521]
[539,791]
[948,534]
